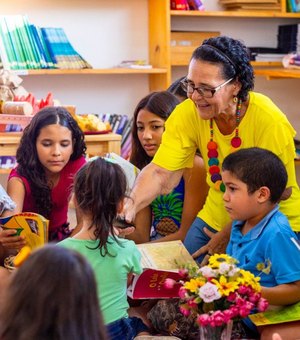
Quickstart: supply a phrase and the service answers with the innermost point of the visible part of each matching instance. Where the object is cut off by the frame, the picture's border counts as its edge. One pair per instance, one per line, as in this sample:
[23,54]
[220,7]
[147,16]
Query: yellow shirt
[263,125]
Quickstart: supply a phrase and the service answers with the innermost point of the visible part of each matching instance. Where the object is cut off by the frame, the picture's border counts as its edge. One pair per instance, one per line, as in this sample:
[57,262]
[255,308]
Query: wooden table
[97,145]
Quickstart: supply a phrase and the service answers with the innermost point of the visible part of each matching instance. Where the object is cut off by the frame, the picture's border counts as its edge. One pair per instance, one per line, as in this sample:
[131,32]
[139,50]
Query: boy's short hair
[258,167]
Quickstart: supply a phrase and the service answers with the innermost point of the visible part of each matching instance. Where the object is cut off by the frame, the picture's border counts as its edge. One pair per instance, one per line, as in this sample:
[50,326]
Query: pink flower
[217,318]
[203,319]
[183,272]
[192,304]
[228,315]
[231,297]
[262,304]
[169,283]
[184,310]
[182,293]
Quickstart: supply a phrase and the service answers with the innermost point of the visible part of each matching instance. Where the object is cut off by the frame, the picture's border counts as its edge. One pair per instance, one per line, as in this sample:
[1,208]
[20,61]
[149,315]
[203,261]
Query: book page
[285,314]
[170,255]
[33,226]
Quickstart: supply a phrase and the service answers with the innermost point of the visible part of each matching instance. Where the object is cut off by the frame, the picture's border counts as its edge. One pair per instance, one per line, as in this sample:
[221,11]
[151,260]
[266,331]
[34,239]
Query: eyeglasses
[205,92]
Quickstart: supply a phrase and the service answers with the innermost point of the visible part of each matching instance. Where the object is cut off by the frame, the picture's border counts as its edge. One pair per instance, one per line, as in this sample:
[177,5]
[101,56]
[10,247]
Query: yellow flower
[247,278]
[225,286]
[194,284]
[216,259]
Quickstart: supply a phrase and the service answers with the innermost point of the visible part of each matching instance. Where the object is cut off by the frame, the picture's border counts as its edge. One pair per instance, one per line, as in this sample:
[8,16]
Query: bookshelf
[107,32]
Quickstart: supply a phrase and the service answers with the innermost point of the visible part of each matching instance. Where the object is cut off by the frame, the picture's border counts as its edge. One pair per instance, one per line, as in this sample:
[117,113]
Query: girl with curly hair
[51,150]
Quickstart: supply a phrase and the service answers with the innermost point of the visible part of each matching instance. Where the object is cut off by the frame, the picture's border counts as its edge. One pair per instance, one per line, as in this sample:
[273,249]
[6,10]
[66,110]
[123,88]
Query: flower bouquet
[219,293]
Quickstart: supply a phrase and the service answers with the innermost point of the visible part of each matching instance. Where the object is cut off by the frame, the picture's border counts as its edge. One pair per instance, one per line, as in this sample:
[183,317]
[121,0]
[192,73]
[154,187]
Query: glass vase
[216,333]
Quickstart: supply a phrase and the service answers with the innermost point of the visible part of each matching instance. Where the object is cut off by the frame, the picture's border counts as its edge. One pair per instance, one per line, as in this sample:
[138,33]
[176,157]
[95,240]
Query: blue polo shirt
[271,240]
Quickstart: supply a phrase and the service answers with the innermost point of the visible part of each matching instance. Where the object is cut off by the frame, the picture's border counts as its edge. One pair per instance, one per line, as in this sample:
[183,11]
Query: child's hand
[9,241]
[123,232]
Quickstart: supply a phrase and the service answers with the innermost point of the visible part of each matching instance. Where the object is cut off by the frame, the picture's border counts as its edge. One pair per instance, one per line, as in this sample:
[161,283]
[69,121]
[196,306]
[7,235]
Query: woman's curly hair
[29,165]
[234,57]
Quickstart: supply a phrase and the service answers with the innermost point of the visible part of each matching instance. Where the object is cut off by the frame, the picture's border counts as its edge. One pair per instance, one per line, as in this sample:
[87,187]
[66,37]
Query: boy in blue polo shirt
[261,237]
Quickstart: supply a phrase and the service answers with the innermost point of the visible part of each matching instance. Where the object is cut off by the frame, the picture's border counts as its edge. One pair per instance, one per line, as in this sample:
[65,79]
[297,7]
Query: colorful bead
[213,161]
[211,145]
[214,169]
[212,153]
[216,177]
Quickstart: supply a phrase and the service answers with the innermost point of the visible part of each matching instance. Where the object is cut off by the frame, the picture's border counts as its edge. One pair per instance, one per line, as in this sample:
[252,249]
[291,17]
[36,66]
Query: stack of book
[122,125]
[27,46]
[251,5]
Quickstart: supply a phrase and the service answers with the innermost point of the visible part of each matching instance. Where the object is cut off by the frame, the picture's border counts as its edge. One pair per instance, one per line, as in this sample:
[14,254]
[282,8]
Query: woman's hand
[8,241]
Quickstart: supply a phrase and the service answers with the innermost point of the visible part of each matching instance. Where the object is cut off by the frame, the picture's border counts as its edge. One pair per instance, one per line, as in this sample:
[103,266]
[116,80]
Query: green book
[12,60]
[34,57]
[285,314]
[16,43]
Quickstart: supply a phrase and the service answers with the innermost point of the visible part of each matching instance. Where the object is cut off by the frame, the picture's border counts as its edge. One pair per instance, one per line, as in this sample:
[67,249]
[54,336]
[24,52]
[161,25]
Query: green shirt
[111,272]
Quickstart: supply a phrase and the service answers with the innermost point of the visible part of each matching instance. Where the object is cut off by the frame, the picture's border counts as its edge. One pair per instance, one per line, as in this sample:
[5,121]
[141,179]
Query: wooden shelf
[90,71]
[278,73]
[239,14]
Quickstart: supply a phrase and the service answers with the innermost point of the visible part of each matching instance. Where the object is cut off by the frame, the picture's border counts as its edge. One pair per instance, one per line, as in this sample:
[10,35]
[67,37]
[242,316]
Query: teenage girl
[51,150]
[99,191]
[169,216]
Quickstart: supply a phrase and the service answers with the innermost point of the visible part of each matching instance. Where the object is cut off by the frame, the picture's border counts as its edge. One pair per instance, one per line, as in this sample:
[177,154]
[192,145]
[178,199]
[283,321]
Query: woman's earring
[235,99]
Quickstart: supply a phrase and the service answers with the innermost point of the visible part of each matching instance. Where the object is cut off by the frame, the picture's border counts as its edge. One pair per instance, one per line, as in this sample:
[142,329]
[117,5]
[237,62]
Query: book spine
[8,44]
[5,63]
[49,41]
[32,59]
[35,41]
[41,39]
[122,124]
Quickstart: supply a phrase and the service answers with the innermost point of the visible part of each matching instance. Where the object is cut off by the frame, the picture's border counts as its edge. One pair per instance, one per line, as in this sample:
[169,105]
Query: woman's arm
[142,222]
[284,294]
[195,192]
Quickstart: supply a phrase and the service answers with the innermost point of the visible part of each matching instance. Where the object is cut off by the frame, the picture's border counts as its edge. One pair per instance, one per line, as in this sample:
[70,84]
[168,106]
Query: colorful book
[160,261]
[31,225]
[284,314]
[124,120]
[61,50]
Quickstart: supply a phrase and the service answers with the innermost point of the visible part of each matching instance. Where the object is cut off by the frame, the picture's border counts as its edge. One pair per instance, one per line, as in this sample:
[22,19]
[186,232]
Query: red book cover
[150,285]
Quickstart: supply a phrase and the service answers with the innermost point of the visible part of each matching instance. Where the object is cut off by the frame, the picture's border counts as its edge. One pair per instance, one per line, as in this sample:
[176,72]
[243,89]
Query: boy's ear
[263,194]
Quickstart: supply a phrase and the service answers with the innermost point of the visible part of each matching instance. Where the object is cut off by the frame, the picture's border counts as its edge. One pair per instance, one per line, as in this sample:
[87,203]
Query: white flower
[224,268]
[207,271]
[209,292]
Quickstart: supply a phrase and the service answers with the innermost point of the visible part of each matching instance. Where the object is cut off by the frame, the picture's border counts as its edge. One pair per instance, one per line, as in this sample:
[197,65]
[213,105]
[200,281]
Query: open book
[160,261]
[284,314]
[33,226]
[129,169]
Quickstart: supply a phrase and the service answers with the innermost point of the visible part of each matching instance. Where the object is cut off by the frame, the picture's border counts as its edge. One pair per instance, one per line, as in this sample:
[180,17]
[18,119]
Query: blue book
[36,42]
[122,124]
[51,42]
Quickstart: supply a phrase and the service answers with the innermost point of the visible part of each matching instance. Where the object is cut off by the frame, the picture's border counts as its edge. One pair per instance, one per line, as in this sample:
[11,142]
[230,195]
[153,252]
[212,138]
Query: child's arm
[284,294]
[16,190]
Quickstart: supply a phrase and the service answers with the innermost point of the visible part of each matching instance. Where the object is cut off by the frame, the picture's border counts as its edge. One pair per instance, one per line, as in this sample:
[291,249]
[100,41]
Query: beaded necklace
[212,147]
